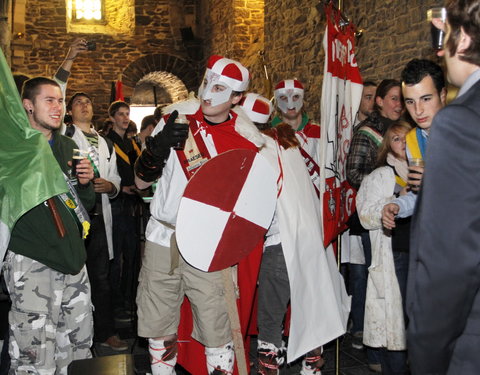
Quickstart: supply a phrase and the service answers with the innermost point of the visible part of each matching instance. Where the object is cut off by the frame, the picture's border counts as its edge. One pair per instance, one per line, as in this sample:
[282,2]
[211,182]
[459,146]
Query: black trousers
[125,264]
[98,268]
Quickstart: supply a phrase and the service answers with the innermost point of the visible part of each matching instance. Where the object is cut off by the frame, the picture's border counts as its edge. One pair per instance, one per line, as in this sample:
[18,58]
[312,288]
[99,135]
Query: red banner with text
[341,95]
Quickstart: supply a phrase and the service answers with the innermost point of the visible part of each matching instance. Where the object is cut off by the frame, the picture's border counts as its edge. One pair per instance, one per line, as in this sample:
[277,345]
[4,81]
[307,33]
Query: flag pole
[344,20]
[337,343]
[339,250]
[267,80]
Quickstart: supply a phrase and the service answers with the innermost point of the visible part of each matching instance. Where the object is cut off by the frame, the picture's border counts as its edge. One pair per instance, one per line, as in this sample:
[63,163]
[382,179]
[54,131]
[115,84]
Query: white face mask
[289,99]
[209,90]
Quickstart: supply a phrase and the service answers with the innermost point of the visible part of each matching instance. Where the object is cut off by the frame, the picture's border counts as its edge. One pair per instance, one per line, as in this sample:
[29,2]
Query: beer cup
[415,162]
[76,157]
[438,35]
[181,119]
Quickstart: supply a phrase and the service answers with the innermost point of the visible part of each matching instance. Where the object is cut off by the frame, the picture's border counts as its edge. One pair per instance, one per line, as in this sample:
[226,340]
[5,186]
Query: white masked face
[214,90]
[289,99]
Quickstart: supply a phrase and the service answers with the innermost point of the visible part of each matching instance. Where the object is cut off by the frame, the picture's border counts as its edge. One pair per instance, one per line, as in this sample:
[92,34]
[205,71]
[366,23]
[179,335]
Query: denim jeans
[358,289]
[358,285]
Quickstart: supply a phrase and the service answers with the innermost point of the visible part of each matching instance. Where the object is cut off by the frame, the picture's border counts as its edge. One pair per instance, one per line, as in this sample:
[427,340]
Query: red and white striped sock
[163,356]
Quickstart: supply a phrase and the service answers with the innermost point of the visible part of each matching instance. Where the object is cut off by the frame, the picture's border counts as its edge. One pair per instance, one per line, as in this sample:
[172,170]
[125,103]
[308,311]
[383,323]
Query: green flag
[29,173]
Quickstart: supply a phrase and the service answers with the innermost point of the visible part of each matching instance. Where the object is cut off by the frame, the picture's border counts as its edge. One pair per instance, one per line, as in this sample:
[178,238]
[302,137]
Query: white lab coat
[108,171]
[384,324]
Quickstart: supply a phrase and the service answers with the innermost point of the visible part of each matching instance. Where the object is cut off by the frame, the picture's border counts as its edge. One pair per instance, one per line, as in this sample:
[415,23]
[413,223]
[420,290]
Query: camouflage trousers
[50,319]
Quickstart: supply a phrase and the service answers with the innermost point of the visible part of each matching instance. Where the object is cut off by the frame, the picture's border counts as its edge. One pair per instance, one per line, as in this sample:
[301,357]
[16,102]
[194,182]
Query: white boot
[163,356]
[220,361]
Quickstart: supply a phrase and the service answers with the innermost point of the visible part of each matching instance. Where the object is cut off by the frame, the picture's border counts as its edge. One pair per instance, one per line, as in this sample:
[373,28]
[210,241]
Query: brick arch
[182,69]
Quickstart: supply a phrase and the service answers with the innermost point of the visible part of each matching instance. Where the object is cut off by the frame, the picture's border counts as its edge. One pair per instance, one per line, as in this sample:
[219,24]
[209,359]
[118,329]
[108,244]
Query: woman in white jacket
[384,325]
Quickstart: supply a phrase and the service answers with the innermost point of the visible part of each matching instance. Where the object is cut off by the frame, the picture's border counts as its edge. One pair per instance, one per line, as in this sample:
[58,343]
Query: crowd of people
[83,261]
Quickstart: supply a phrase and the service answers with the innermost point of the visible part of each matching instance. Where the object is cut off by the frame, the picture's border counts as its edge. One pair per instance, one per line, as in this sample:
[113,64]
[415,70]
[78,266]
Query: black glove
[172,134]
[150,164]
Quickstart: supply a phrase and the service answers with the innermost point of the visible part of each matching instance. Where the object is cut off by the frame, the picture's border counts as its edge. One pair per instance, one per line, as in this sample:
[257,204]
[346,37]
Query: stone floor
[351,362]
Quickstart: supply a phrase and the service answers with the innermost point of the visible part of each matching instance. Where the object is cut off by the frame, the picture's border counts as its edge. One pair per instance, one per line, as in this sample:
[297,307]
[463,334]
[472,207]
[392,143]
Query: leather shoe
[114,343]
[375,367]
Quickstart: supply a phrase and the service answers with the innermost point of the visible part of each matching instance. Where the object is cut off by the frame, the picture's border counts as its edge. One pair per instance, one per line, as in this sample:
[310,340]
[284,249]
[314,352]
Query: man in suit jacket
[443,299]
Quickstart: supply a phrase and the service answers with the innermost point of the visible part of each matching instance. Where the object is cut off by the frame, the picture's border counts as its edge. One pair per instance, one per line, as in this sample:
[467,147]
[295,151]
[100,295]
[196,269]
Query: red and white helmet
[289,95]
[256,107]
[224,72]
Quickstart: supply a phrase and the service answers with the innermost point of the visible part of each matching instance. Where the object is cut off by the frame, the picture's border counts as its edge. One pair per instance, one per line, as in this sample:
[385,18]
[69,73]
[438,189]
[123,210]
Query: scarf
[400,166]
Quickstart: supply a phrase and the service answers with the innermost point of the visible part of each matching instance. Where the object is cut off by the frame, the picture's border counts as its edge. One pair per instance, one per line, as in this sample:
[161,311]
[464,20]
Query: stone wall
[293,46]
[5,25]
[395,32]
[156,32]
[218,21]
[287,33]
[235,29]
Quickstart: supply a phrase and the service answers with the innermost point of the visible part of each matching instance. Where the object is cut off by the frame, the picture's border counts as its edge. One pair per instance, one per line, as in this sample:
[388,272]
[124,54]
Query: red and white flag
[341,95]
[226,209]
[119,90]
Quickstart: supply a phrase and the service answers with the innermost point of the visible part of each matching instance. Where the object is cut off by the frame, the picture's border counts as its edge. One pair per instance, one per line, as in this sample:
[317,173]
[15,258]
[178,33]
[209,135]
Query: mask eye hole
[218,88]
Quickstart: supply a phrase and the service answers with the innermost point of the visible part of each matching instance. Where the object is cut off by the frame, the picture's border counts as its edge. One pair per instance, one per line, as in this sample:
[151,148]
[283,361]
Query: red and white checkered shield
[226,209]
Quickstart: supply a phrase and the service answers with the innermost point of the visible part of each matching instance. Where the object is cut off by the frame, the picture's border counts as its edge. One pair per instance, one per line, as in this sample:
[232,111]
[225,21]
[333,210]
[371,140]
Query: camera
[91,46]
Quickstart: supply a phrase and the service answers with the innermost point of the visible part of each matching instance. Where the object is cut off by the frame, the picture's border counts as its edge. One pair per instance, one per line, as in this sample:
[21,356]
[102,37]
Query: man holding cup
[423,87]
[50,318]
[443,300]
[100,242]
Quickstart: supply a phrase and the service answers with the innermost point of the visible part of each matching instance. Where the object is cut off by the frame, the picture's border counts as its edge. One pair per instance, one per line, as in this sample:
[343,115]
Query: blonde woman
[384,325]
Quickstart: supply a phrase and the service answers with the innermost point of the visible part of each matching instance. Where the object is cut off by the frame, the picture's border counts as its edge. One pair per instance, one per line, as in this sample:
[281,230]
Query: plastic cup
[76,157]
[438,35]
[181,119]
[416,162]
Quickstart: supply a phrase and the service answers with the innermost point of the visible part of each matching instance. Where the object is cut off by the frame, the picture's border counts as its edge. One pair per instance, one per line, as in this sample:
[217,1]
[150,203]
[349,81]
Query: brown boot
[269,360]
[114,343]
[313,362]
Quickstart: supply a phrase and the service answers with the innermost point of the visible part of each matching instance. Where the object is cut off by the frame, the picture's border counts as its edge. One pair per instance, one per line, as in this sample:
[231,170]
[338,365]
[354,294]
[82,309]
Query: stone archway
[172,77]
[158,88]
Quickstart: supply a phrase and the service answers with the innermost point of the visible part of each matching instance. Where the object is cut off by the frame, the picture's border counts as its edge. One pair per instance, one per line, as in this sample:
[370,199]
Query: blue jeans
[358,285]
[358,289]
